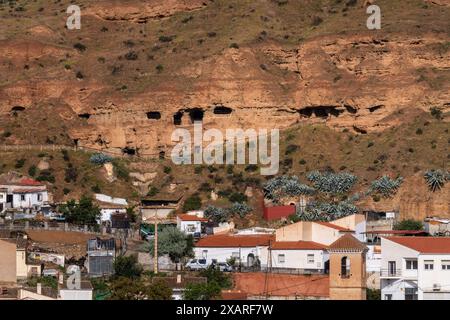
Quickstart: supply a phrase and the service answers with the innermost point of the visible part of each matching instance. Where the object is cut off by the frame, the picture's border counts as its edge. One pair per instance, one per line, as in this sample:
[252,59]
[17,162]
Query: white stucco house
[109,205]
[190,224]
[17,192]
[245,248]
[415,268]
[298,257]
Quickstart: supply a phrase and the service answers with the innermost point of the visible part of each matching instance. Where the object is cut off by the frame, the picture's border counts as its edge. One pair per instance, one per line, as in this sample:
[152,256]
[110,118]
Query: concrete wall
[21,264]
[67,294]
[8,262]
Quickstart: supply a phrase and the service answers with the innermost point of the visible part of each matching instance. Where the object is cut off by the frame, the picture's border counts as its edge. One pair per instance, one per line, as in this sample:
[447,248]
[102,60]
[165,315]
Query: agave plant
[386,186]
[324,211]
[216,215]
[436,179]
[100,158]
[240,209]
[332,183]
[279,187]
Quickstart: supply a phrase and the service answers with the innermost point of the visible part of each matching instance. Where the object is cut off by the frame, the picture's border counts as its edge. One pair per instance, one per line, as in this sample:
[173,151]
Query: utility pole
[155,247]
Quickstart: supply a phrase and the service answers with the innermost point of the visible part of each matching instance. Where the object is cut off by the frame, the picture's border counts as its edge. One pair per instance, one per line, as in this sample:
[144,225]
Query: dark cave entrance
[196,114]
[177,118]
[155,115]
[320,111]
[222,110]
[84,115]
[129,151]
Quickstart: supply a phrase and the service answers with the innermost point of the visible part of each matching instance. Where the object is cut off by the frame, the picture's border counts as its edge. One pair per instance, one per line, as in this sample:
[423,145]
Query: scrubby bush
[192,203]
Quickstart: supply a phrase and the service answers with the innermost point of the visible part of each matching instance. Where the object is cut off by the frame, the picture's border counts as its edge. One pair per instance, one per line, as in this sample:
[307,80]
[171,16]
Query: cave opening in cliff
[84,115]
[196,114]
[375,108]
[75,142]
[320,111]
[177,118]
[350,109]
[129,151]
[17,108]
[154,115]
[222,110]
[162,155]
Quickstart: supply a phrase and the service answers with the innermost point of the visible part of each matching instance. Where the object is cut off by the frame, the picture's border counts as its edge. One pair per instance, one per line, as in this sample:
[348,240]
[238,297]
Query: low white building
[248,249]
[190,224]
[298,257]
[109,205]
[18,192]
[415,268]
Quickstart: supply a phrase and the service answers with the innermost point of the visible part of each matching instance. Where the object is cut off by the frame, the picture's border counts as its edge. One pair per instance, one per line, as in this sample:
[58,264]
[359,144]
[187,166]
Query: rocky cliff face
[137,70]
[357,82]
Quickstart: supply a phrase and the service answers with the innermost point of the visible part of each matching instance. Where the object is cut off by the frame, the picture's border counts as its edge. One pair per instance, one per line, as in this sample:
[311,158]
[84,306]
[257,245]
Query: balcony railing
[390,273]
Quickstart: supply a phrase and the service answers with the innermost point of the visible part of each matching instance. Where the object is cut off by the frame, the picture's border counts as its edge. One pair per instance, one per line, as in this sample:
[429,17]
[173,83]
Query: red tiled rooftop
[285,285]
[190,217]
[331,225]
[412,232]
[424,244]
[26,190]
[297,245]
[232,241]
[29,182]
[347,242]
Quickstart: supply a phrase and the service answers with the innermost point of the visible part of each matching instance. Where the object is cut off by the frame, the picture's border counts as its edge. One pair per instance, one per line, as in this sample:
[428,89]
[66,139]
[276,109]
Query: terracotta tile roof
[331,225]
[190,217]
[29,182]
[27,190]
[412,232]
[286,285]
[424,244]
[232,241]
[347,242]
[297,245]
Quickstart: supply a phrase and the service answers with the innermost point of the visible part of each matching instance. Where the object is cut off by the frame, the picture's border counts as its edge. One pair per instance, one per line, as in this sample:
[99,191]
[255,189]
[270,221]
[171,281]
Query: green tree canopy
[173,242]
[124,288]
[83,212]
[408,224]
[127,266]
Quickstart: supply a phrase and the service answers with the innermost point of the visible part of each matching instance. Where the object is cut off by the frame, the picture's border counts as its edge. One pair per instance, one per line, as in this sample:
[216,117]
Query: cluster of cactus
[436,179]
[282,186]
[324,211]
[332,183]
[386,186]
[241,209]
[217,215]
[100,158]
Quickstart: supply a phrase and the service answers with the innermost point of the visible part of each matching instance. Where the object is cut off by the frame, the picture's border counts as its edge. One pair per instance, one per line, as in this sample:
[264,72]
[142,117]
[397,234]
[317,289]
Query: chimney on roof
[61,278]
[178,278]
[39,288]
